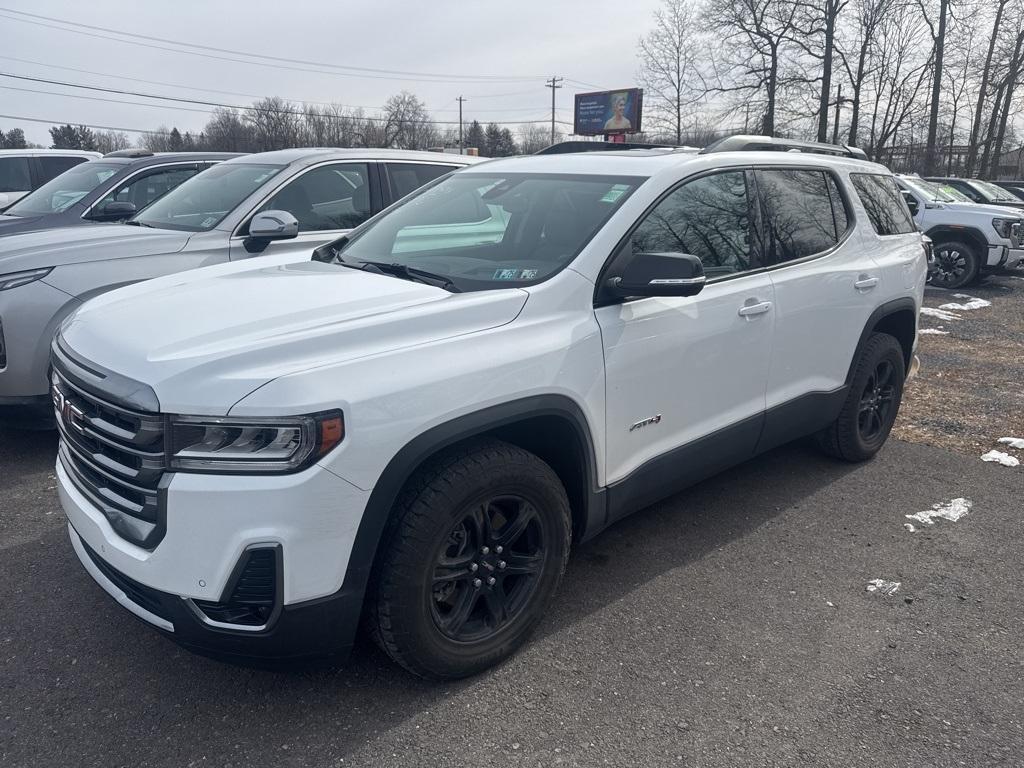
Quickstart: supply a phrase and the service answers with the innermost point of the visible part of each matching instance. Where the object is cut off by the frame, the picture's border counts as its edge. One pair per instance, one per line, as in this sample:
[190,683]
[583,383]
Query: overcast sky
[519,44]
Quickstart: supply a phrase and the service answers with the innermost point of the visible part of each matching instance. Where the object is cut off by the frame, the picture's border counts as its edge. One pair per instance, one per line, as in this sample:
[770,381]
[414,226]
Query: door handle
[755,309]
[865,283]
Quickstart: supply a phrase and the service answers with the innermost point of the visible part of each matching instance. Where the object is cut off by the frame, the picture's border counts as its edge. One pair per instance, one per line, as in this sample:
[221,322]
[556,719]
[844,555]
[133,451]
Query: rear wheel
[872,402]
[956,265]
[478,545]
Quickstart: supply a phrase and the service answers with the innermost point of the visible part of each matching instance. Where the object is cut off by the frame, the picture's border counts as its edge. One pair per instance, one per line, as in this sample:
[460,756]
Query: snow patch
[933,332]
[1001,458]
[910,527]
[951,510]
[971,303]
[1013,442]
[941,314]
[883,587]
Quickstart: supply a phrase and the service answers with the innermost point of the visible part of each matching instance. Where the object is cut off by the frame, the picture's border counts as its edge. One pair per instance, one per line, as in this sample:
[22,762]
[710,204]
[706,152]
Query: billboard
[605,112]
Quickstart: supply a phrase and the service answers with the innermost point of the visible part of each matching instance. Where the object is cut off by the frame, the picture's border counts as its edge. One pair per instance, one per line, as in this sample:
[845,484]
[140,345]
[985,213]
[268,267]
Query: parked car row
[24,170]
[337,387]
[271,204]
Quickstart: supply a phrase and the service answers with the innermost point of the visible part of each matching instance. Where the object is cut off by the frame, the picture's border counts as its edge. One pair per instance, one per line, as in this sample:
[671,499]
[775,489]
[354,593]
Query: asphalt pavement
[728,626]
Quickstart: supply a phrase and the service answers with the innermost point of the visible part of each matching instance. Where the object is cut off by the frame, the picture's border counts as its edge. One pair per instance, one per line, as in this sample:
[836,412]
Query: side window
[408,177]
[143,189]
[883,203]
[52,167]
[709,218]
[968,190]
[329,197]
[14,174]
[839,212]
[799,218]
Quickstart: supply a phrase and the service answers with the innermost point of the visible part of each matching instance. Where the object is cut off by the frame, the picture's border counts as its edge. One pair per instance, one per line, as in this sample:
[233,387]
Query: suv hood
[205,339]
[76,245]
[1003,211]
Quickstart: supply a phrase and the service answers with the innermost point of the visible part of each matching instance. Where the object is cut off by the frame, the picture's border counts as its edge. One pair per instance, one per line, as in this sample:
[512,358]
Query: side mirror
[273,225]
[912,203]
[115,210]
[660,274]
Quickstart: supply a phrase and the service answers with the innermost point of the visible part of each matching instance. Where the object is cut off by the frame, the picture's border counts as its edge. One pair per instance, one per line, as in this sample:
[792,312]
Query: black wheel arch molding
[944,233]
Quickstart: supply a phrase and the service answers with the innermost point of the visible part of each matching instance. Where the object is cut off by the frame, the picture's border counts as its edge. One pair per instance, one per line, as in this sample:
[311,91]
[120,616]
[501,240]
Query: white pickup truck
[970,239]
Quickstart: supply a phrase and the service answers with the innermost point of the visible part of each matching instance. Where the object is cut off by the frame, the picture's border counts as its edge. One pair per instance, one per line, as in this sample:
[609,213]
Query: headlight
[246,445]
[14,279]
[1004,227]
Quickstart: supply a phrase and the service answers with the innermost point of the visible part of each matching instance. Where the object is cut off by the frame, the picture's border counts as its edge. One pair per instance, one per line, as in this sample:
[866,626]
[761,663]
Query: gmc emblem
[67,412]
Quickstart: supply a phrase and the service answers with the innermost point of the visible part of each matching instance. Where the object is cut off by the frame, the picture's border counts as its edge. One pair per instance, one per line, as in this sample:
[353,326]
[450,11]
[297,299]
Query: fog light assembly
[254,598]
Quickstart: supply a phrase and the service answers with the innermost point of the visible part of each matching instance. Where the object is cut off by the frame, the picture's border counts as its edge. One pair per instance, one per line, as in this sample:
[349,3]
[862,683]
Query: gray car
[282,203]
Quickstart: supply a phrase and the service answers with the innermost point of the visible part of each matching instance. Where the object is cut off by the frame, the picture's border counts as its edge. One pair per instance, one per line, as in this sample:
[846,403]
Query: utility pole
[839,101]
[553,84]
[461,150]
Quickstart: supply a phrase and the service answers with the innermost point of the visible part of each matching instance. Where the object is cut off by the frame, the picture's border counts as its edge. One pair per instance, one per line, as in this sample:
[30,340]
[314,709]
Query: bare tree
[938,32]
[979,107]
[274,123]
[816,36]
[860,61]
[668,57]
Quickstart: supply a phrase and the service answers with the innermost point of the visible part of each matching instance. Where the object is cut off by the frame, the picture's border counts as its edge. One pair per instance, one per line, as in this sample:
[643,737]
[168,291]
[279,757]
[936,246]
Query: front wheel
[956,265]
[478,544]
[872,402]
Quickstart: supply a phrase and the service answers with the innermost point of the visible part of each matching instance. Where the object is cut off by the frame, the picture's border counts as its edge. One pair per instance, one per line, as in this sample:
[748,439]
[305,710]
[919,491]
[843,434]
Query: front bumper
[316,628]
[212,521]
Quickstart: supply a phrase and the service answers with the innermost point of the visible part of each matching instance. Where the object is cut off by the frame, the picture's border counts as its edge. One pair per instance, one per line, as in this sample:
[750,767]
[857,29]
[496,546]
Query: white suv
[414,425]
[970,240]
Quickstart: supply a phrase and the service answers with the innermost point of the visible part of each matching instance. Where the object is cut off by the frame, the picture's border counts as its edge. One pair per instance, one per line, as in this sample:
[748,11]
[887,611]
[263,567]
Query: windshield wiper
[409,273]
[134,223]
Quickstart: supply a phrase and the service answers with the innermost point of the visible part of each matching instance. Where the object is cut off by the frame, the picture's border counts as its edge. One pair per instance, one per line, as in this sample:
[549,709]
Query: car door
[327,200]
[685,377]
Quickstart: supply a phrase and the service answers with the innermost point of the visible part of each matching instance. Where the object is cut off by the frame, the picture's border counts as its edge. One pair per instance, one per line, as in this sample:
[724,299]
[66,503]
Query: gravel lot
[729,626]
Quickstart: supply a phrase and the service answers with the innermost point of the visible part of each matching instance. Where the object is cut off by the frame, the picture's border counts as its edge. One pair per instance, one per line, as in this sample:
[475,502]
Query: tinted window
[708,218]
[839,212]
[883,203]
[61,193]
[51,167]
[799,218]
[329,197]
[14,174]
[492,230]
[203,201]
[143,189]
[966,189]
[408,177]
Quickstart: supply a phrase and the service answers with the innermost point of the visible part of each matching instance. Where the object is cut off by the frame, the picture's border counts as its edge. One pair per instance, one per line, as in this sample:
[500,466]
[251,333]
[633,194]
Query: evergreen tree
[475,137]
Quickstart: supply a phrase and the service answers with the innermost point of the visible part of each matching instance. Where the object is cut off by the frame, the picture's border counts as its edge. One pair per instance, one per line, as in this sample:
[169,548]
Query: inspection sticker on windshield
[613,194]
[209,221]
[515,274]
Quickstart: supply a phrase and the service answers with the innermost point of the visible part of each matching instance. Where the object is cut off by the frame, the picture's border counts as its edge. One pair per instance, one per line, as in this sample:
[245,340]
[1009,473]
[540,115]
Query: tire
[452,542]
[873,400]
[956,264]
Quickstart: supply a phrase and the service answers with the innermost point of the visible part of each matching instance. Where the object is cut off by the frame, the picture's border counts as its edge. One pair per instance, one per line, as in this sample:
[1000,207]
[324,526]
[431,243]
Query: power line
[370,72]
[86,125]
[200,102]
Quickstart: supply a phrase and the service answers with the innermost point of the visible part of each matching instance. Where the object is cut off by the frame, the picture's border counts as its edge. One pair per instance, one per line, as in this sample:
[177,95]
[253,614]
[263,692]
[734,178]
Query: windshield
[930,191]
[62,192]
[202,202]
[483,231]
[992,192]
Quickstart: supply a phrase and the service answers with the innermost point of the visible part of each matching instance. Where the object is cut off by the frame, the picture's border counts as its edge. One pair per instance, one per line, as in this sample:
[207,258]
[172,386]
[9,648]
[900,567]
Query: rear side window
[52,167]
[883,203]
[14,174]
[803,212]
[408,177]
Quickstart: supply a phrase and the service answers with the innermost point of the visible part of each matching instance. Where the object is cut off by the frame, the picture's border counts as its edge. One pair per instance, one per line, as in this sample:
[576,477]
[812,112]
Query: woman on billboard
[618,121]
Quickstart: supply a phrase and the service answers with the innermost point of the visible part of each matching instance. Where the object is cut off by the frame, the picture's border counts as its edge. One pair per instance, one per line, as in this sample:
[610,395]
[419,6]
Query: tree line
[926,85]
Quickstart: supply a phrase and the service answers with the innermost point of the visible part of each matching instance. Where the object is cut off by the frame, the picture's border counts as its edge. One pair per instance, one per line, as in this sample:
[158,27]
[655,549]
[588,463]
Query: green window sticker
[613,194]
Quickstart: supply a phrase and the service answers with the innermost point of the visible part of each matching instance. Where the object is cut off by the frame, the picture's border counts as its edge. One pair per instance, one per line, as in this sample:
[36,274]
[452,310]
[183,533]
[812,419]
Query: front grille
[254,593]
[115,458]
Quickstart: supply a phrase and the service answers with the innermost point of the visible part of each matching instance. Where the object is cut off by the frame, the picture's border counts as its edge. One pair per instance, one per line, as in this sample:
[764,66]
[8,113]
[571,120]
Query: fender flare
[881,312]
[405,462]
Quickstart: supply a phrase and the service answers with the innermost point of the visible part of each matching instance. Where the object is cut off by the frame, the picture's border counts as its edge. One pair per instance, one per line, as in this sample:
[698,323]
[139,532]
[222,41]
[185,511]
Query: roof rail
[130,153]
[565,147]
[741,143]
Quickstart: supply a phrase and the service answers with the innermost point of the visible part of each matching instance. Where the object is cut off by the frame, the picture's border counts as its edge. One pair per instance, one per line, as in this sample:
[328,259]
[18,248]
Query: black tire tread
[839,439]
[427,494]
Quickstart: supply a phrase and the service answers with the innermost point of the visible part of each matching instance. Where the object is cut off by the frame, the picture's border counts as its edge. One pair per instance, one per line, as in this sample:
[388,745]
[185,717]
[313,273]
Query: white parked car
[274,203]
[419,421]
[970,240]
[25,170]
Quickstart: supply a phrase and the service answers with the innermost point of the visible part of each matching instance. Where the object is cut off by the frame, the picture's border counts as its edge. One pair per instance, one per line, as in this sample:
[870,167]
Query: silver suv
[282,203]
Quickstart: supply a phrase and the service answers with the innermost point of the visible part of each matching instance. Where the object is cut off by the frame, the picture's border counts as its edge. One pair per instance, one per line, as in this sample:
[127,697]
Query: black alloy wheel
[877,401]
[487,569]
